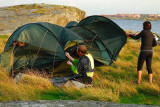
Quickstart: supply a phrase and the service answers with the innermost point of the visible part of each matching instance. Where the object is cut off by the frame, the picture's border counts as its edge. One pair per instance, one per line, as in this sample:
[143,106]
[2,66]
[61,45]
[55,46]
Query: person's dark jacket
[147,39]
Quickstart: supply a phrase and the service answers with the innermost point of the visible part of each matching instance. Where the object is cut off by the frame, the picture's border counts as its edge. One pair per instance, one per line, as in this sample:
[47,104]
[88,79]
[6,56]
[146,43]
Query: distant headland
[135,16]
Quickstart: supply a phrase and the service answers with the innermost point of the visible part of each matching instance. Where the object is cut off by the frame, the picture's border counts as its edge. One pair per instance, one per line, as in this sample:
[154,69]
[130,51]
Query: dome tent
[43,48]
[103,37]
[44,44]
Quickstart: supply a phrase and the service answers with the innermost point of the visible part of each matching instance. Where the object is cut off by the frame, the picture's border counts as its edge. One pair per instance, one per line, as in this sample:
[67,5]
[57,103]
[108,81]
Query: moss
[40,11]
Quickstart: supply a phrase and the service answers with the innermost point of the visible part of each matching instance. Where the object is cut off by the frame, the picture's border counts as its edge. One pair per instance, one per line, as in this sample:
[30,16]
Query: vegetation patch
[4,37]
[140,99]
[111,84]
[40,11]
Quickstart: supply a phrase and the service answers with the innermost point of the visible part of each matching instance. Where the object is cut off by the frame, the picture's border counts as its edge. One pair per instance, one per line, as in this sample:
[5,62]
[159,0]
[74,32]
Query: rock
[15,16]
[19,77]
[76,84]
[67,103]
[6,32]
[59,81]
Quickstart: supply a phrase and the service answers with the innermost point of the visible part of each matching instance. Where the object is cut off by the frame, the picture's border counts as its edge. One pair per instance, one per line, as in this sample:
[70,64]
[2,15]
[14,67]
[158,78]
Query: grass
[116,84]
[3,40]
[40,11]
[29,88]
[141,99]
[110,84]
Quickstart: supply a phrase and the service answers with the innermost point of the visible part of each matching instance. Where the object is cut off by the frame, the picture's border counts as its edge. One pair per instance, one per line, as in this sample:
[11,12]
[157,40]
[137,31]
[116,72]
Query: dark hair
[147,25]
[82,48]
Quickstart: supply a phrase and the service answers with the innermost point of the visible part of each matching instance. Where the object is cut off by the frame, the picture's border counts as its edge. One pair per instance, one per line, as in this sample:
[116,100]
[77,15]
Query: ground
[66,103]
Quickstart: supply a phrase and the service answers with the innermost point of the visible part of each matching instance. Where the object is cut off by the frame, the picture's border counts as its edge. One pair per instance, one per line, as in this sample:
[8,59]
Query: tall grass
[114,84]
[3,40]
[29,88]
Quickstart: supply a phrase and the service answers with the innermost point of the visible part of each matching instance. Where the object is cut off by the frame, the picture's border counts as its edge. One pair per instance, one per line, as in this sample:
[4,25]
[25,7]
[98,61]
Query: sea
[136,25]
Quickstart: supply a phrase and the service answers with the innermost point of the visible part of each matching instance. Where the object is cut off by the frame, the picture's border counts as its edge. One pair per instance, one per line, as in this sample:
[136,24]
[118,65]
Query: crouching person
[84,68]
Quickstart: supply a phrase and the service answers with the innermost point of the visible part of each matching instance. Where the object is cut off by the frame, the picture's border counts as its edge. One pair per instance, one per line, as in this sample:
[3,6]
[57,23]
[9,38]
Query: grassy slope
[111,84]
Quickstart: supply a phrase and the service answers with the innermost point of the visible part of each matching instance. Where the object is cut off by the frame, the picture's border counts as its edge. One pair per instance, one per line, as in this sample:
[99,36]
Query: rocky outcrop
[15,16]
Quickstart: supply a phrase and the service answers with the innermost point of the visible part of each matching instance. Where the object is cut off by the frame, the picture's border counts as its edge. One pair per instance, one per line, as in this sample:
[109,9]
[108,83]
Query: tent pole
[54,59]
[109,53]
[12,55]
[39,49]
[113,64]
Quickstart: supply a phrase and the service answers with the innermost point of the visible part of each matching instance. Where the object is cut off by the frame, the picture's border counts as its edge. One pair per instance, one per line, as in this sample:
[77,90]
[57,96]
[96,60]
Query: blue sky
[98,7]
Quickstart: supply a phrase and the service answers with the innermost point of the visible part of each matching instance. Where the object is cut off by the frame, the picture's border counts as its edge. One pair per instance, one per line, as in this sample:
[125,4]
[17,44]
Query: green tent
[72,23]
[43,48]
[43,45]
[103,38]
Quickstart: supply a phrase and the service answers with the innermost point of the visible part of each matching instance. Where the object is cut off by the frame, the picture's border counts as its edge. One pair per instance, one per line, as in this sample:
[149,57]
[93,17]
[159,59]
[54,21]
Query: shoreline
[149,19]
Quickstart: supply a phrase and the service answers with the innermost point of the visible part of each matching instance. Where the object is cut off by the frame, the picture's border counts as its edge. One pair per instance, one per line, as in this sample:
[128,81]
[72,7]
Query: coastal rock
[15,16]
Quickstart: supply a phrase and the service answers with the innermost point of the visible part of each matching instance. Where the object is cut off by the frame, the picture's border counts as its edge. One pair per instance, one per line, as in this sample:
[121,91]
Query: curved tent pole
[11,72]
[40,44]
[50,32]
[39,25]
[16,49]
[13,33]
[54,59]
[93,40]
[101,42]
[54,36]
[39,48]
[112,56]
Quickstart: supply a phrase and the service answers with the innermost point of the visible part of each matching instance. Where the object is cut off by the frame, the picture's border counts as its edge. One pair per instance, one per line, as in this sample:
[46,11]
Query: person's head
[81,50]
[147,25]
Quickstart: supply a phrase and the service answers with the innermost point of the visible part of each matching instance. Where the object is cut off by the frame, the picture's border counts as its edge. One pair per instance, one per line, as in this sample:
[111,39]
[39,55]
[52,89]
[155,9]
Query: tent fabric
[103,37]
[72,23]
[45,43]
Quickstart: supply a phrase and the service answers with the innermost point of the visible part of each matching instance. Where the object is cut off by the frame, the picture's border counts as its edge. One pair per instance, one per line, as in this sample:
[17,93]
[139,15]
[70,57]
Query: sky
[99,7]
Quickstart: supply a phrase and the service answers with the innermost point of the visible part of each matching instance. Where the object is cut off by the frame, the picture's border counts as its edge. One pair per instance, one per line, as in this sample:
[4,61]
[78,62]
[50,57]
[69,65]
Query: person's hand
[69,57]
[69,63]
[67,54]
[127,34]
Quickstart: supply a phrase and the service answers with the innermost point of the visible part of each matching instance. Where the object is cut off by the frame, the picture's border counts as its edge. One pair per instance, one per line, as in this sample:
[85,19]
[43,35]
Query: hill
[15,16]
